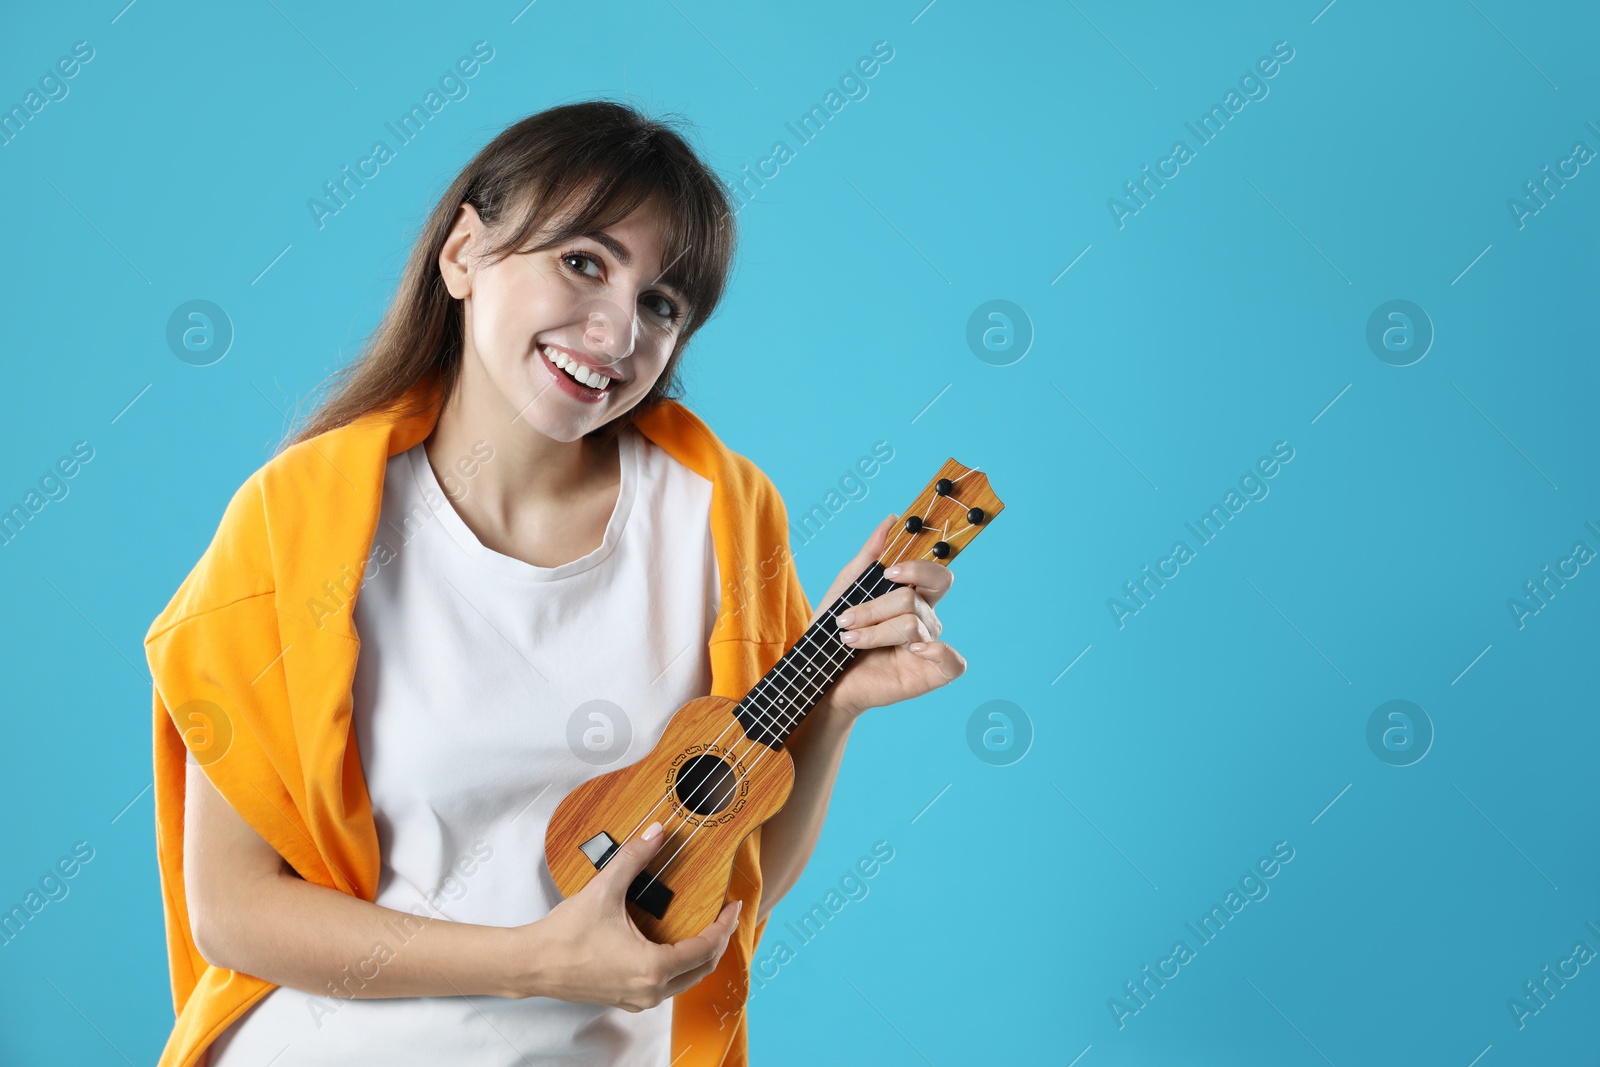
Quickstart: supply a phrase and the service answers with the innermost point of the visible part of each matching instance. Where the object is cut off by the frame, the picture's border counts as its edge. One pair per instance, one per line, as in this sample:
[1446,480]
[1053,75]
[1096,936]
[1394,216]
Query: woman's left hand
[899,654]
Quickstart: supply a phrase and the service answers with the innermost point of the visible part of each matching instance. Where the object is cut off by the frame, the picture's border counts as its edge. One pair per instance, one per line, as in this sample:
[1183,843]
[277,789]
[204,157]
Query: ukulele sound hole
[705,785]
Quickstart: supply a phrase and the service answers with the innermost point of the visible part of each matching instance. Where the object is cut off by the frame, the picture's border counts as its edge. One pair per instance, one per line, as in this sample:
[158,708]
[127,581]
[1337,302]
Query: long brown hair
[588,164]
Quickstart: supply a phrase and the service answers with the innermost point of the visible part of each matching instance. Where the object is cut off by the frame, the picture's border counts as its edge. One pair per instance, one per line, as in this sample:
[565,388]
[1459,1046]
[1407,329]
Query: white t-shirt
[486,690]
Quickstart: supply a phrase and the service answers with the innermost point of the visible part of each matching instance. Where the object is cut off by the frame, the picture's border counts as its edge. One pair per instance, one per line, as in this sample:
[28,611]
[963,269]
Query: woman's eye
[579,256]
[665,308]
[660,305]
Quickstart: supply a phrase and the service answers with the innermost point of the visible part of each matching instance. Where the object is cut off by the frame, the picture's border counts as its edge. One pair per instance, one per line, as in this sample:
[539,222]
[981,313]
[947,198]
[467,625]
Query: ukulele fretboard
[942,521]
[772,710]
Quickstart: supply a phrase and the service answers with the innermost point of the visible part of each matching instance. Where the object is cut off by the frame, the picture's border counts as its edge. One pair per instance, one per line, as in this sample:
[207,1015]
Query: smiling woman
[541,316]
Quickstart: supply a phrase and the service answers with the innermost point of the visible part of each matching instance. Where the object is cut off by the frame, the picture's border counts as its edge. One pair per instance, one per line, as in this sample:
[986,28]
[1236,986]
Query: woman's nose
[609,333]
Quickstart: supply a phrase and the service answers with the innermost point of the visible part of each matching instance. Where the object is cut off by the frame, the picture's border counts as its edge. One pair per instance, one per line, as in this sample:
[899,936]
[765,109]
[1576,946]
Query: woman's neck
[528,473]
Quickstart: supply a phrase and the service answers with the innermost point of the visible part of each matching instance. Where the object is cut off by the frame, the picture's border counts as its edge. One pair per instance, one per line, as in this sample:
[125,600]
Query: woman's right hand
[588,949]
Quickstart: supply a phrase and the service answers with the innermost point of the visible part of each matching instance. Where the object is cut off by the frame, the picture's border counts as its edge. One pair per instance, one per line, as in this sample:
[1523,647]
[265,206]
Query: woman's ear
[455,258]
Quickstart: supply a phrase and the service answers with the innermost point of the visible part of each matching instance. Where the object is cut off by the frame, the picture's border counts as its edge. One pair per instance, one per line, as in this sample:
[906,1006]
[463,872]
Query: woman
[551,556]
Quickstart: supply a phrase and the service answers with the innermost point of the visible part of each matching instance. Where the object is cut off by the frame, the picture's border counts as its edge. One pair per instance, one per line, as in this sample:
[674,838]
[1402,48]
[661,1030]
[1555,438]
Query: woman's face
[592,303]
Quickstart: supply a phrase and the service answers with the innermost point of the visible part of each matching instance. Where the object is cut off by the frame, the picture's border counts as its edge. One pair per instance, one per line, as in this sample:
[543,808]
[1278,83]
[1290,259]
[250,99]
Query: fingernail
[849,637]
[847,618]
[892,572]
[917,646]
[651,831]
[738,906]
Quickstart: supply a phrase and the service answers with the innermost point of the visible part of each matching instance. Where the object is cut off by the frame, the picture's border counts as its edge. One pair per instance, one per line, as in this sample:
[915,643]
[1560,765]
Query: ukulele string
[727,769]
[715,781]
[694,794]
[788,722]
[831,614]
[834,609]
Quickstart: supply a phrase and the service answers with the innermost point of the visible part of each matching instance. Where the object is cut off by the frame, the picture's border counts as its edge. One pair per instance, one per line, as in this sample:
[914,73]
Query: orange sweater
[254,657]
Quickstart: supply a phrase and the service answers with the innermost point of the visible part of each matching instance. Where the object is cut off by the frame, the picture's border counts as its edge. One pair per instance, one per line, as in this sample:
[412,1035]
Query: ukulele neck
[780,701]
[941,521]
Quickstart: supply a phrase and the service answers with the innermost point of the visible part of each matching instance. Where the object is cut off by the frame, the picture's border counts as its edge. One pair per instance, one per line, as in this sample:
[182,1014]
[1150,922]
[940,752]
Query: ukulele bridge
[647,891]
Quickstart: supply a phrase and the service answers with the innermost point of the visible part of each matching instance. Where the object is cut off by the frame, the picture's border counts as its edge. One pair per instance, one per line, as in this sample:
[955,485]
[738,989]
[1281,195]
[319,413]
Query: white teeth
[575,370]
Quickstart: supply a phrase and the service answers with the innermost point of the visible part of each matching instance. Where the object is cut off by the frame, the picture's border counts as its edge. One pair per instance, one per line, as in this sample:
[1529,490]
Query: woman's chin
[557,429]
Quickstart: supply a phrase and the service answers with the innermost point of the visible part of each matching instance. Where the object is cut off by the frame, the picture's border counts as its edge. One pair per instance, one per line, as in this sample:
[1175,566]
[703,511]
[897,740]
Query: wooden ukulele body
[707,784]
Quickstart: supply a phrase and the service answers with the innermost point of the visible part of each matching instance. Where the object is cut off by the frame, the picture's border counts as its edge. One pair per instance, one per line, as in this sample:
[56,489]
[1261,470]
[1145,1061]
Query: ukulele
[720,768]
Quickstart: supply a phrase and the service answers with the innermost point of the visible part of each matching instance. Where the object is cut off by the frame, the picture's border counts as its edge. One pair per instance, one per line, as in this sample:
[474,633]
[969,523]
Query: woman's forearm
[788,838]
[305,936]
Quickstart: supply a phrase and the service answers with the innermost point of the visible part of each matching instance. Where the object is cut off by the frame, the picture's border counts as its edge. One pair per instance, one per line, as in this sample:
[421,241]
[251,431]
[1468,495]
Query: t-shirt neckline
[510,566]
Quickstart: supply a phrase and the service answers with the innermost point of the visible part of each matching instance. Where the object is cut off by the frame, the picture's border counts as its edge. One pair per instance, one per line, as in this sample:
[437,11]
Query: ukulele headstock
[956,506]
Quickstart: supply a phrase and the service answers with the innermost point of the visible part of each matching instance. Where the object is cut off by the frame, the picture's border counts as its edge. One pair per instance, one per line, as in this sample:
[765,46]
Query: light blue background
[1227,315]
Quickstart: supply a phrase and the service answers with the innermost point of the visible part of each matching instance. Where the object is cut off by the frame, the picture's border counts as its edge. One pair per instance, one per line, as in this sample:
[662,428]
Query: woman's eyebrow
[675,290]
[618,249]
[612,245]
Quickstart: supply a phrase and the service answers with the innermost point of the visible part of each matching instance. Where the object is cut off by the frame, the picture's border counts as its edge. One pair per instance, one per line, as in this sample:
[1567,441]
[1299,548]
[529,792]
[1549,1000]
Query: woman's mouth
[573,377]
